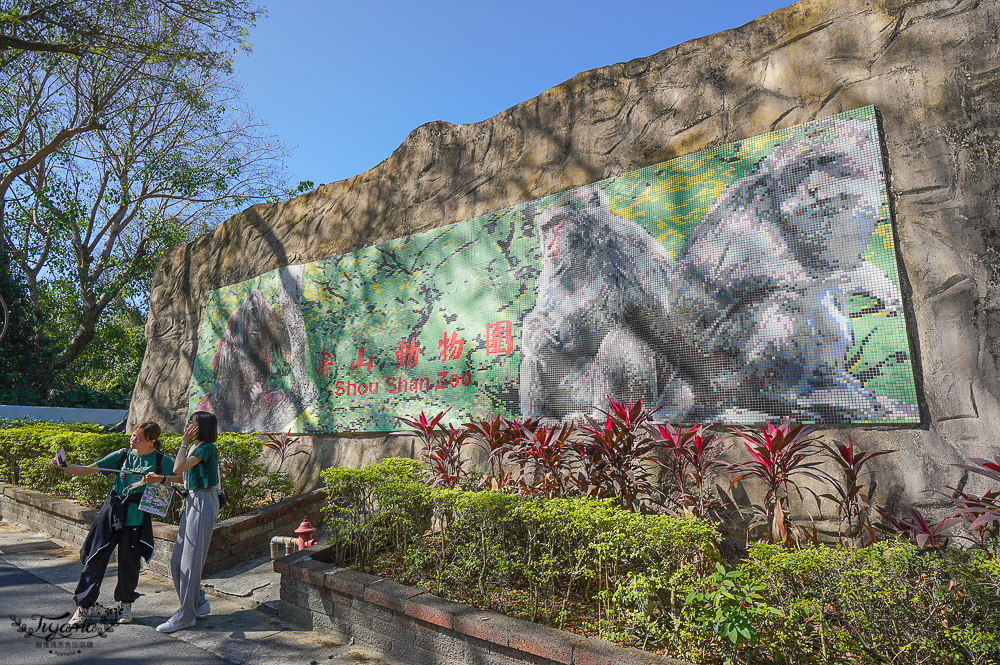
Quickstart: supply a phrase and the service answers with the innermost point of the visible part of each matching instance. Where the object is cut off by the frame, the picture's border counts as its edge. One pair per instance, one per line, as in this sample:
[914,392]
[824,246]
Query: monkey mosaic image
[257,380]
[748,322]
[755,281]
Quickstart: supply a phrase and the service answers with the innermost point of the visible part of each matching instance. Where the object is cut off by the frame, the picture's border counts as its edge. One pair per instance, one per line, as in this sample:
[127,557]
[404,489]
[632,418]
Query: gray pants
[201,507]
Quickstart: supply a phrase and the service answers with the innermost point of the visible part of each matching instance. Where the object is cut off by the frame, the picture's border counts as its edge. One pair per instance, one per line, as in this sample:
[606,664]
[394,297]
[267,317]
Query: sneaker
[79,617]
[172,624]
[125,613]
[203,609]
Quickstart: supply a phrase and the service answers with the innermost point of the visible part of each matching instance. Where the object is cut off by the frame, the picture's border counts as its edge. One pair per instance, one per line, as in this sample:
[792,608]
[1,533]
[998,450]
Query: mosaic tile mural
[749,282]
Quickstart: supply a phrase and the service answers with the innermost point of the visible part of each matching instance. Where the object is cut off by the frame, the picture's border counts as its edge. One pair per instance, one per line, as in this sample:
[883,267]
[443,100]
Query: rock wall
[931,68]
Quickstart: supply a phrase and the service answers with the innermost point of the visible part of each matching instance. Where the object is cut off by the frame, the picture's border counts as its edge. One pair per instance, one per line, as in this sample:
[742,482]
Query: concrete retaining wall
[234,541]
[405,623]
[55,414]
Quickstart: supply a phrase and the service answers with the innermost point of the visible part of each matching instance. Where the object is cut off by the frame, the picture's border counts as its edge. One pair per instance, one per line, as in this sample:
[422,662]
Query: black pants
[129,554]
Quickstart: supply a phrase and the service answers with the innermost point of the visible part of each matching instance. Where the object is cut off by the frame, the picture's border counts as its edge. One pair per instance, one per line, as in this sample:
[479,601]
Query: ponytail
[151,432]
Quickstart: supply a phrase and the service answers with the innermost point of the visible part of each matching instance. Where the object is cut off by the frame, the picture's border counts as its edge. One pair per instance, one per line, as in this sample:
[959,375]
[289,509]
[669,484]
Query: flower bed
[657,581]
[49,500]
[25,451]
[417,627]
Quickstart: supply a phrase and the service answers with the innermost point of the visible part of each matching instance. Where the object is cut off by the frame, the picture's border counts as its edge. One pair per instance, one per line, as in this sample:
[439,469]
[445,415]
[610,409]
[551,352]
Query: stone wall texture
[931,68]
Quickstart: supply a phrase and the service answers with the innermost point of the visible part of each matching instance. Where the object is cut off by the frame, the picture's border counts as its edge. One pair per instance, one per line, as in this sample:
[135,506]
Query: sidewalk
[37,579]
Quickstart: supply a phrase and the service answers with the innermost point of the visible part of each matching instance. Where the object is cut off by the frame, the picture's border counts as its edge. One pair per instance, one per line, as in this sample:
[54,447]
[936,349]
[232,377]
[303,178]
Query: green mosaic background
[460,278]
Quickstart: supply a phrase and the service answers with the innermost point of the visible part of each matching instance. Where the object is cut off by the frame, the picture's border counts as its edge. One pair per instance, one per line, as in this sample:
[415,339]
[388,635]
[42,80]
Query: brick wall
[405,623]
[234,541]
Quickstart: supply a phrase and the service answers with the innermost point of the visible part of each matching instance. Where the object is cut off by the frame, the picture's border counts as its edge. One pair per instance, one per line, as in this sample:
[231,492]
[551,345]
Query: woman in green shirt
[119,522]
[200,468]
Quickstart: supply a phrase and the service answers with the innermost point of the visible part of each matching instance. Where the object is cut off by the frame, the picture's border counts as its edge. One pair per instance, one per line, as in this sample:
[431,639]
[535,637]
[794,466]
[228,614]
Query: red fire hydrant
[305,531]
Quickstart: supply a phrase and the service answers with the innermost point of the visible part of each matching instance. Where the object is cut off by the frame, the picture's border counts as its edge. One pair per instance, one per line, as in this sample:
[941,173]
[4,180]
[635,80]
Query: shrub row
[518,555]
[888,602]
[25,451]
[656,581]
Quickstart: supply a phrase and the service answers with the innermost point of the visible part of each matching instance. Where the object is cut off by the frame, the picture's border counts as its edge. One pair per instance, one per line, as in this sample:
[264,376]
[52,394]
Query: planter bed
[234,541]
[406,623]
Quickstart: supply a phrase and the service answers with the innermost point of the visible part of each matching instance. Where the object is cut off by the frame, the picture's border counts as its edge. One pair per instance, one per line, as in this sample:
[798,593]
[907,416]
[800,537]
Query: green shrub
[10,423]
[380,506]
[517,554]
[656,580]
[25,452]
[885,603]
[728,605]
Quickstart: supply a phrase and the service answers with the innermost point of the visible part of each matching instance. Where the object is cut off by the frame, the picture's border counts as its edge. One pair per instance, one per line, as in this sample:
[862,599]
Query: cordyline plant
[618,455]
[545,462]
[916,527]
[778,452]
[444,455]
[287,446]
[854,507]
[690,454]
[981,512]
[442,448]
[499,436]
[421,427]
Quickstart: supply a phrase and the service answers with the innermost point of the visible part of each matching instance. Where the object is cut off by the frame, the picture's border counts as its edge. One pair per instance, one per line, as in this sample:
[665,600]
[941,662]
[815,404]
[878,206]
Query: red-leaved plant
[778,453]
[421,427]
[854,506]
[287,446]
[545,462]
[444,456]
[618,456]
[442,448]
[690,454]
[918,528]
[981,512]
[499,436]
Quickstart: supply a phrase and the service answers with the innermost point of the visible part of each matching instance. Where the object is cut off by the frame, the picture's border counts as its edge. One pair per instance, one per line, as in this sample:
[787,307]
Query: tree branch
[8,42]
[57,142]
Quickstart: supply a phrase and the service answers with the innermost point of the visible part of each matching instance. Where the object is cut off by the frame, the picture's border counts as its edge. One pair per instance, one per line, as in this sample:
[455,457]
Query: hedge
[520,555]
[25,451]
[657,581]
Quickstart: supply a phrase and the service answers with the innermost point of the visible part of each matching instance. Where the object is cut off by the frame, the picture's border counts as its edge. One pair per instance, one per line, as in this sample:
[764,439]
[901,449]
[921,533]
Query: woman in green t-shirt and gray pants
[198,460]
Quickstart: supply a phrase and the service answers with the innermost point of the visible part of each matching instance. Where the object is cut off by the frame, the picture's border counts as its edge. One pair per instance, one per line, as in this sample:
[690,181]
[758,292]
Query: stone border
[234,541]
[406,623]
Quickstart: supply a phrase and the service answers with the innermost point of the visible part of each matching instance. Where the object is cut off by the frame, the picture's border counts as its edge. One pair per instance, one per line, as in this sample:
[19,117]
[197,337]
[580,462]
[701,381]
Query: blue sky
[342,84]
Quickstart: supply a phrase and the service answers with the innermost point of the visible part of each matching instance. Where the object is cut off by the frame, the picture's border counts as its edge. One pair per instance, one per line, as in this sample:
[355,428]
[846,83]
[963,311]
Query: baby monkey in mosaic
[748,322]
[779,253]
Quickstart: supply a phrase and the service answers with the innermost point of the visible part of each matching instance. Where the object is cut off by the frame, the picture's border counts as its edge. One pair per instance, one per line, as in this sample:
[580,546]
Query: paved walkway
[37,579]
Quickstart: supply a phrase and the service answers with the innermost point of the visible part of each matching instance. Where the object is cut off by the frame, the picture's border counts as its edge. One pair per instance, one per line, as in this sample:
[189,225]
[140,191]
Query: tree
[48,42]
[20,355]
[110,157]
[193,30]
[104,372]
[96,216]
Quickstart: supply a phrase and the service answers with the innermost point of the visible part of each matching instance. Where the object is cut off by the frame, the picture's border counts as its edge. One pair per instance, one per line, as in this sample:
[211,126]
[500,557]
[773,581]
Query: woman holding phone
[198,461]
[119,522]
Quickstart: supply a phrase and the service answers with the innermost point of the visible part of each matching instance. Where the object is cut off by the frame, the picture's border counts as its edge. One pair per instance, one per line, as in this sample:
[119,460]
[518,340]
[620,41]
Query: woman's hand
[55,463]
[151,478]
[190,434]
